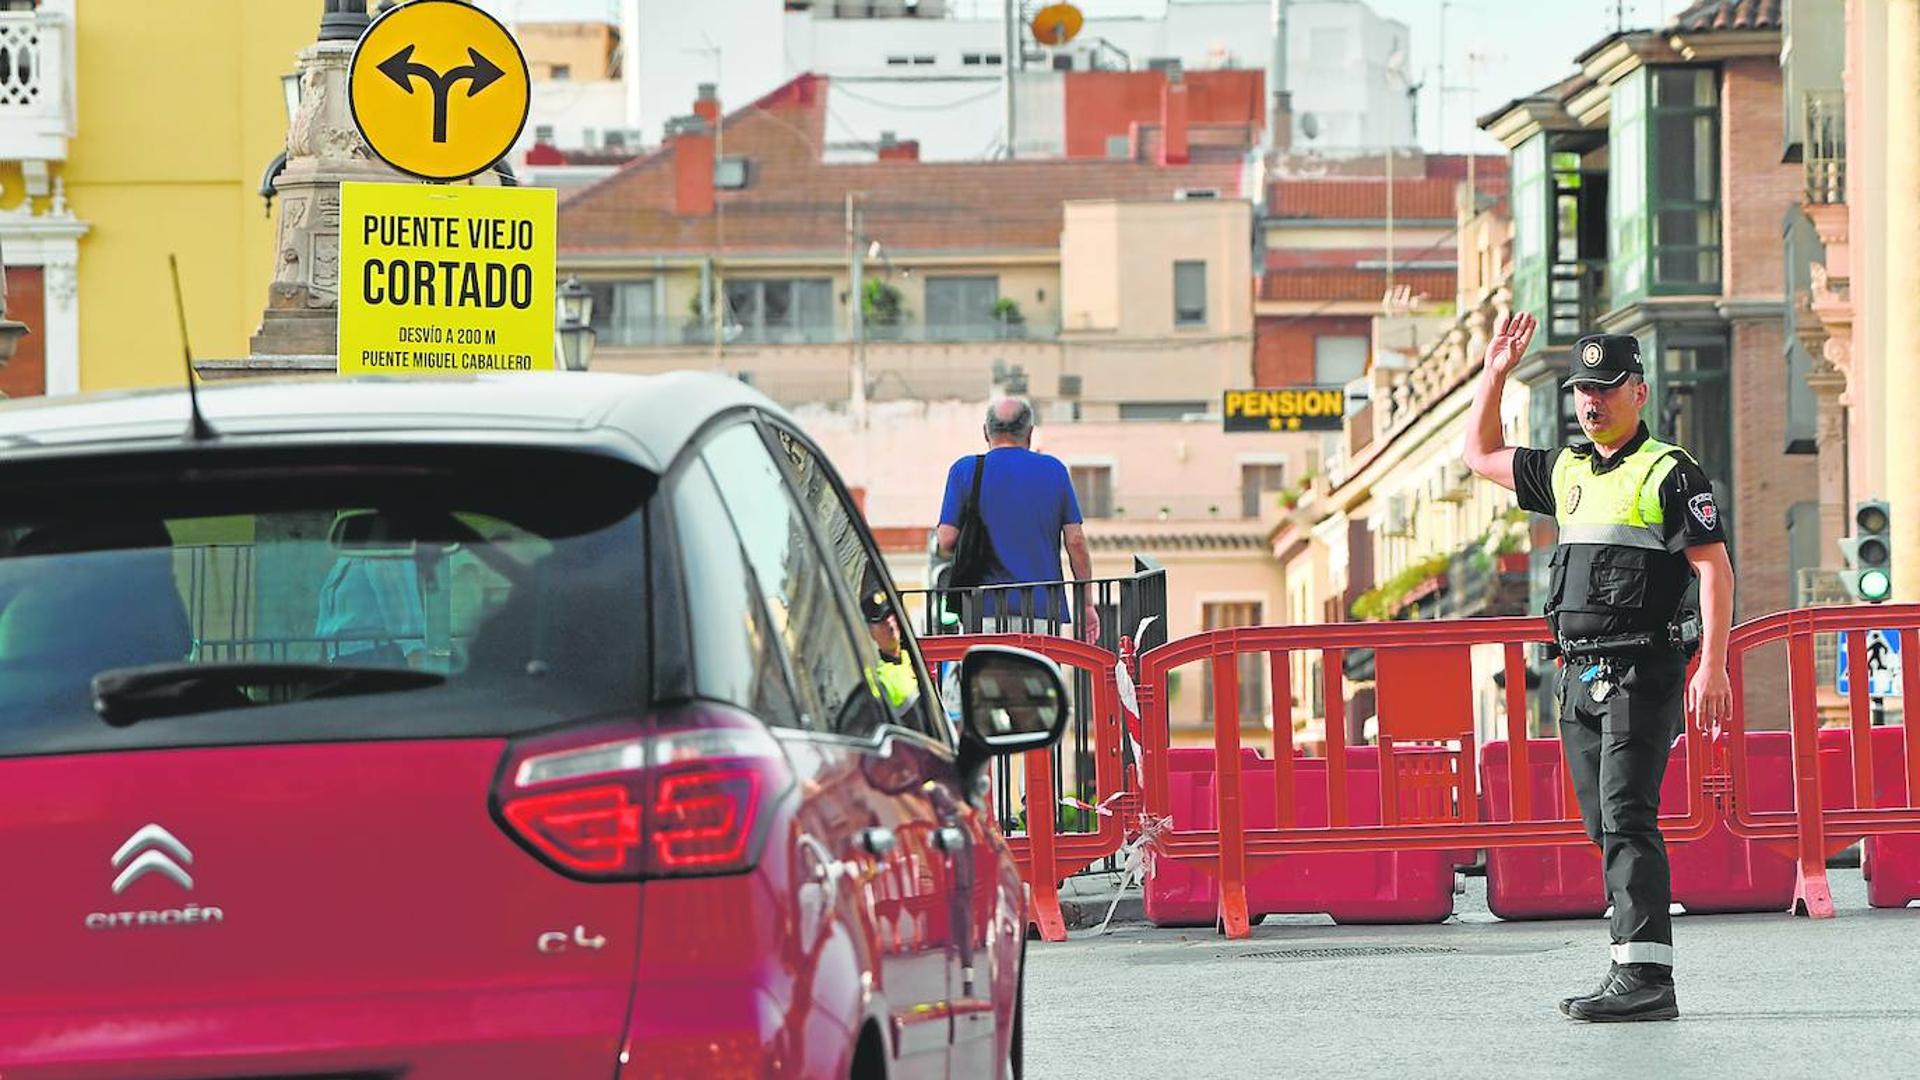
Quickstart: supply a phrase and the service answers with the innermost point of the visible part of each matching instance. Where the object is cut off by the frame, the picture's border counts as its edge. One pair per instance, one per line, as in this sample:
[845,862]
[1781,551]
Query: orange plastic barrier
[1819,822]
[1426,705]
[1378,887]
[1750,817]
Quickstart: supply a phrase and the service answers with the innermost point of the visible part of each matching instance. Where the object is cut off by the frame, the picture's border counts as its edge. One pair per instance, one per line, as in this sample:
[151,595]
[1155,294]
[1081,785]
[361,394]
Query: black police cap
[875,606]
[1605,360]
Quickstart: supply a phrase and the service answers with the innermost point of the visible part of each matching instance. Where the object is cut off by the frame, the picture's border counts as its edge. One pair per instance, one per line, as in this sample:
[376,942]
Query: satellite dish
[1056,24]
[1309,125]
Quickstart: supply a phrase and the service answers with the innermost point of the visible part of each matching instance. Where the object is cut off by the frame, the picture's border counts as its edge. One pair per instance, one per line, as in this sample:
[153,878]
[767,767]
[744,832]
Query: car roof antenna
[199,430]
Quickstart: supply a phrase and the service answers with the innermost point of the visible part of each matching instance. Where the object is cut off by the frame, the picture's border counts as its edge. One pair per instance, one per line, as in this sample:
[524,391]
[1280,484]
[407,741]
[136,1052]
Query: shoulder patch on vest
[1703,510]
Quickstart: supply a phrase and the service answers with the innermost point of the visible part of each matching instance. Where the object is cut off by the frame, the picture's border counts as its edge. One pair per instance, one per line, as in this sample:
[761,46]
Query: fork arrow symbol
[480,73]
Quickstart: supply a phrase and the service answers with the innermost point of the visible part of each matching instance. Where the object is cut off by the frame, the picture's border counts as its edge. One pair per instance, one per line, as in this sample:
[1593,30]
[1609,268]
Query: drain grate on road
[1347,952]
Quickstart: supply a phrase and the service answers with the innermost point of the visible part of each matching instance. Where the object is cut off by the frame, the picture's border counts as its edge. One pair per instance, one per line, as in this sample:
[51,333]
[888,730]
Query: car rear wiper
[128,695]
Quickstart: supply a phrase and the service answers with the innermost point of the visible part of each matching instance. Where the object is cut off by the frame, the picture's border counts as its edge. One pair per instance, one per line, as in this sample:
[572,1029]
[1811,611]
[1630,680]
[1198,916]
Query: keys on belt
[1599,680]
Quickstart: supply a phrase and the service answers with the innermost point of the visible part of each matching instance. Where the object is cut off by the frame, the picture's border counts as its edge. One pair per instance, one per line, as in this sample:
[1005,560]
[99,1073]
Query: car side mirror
[1011,701]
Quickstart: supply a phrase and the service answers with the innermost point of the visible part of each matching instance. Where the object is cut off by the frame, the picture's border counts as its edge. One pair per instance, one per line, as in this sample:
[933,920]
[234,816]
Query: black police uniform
[1619,573]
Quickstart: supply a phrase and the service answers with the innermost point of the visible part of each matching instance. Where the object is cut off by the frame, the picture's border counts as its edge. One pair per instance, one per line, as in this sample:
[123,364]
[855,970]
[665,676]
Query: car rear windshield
[518,577]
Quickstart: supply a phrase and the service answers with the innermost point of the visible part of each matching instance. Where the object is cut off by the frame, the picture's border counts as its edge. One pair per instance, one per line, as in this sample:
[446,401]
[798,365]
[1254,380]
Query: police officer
[893,676]
[1637,522]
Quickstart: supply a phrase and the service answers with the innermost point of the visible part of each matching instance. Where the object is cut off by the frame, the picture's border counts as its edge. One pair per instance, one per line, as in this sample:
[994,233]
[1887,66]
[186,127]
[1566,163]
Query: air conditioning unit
[1456,483]
[730,173]
[1399,520]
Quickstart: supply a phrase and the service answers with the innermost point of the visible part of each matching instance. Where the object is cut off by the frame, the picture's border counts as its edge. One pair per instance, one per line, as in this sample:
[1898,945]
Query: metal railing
[1123,507]
[680,331]
[1129,607]
[1576,297]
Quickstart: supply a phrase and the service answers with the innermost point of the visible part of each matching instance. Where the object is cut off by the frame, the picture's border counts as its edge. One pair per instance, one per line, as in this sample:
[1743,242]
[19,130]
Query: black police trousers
[1617,749]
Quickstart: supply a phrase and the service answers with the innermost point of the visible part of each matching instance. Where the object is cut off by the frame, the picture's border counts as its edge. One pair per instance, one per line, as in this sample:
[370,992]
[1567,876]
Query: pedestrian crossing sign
[1883,665]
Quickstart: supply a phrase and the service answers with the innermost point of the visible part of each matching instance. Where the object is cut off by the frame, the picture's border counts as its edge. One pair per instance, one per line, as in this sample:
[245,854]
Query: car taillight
[688,796]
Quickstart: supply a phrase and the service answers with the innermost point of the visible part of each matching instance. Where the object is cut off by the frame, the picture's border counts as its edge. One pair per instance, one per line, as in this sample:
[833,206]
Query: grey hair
[1016,426]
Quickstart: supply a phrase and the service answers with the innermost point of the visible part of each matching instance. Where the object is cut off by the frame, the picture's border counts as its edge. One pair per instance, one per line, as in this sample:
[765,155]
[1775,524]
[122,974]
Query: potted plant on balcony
[883,309]
[1385,601]
[1507,542]
[1008,319]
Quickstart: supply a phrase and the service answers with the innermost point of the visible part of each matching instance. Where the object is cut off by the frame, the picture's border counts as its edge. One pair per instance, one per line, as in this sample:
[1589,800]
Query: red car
[517,727]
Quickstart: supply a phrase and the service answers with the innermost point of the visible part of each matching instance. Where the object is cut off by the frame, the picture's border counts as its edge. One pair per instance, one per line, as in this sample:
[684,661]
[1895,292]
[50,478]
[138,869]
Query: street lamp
[574,307]
[290,94]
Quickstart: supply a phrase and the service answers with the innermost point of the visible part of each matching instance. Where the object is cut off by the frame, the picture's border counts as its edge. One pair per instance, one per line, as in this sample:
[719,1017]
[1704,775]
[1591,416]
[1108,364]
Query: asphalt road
[1760,996]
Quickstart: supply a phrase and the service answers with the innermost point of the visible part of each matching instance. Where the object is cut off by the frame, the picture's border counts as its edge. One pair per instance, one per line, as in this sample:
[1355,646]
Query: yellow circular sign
[439,89]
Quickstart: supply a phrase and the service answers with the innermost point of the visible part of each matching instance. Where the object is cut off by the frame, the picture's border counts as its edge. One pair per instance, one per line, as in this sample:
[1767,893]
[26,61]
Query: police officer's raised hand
[1710,697]
[1510,340]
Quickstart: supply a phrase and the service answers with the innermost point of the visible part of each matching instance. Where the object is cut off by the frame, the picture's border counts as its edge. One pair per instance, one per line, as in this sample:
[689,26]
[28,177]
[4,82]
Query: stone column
[299,328]
[1902,374]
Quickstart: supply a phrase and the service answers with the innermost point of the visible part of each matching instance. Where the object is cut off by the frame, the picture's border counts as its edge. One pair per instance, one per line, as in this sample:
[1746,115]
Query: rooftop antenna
[198,430]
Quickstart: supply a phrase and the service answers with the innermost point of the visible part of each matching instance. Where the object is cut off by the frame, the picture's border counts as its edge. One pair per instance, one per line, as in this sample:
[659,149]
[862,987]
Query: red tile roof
[1292,258]
[1332,285]
[1364,199]
[1711,15]
[795,202]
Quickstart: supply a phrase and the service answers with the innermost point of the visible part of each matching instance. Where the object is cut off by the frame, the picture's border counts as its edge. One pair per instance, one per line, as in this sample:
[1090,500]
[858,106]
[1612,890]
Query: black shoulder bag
[973,556]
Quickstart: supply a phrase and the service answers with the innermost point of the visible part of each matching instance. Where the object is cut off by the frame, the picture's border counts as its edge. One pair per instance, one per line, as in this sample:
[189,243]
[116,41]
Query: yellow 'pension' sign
[1302,409]
[445,280]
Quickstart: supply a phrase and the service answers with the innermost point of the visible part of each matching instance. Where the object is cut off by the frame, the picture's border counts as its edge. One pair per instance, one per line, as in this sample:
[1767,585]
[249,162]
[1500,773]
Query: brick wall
[1757,190]
[1756,187]
[1283,345]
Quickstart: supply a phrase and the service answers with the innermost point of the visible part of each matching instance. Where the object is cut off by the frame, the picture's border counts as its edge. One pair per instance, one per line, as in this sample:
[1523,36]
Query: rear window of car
[518,578]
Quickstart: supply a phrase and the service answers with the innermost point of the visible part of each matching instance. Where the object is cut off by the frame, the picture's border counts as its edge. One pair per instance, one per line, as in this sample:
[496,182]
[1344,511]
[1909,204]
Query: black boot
[1567,1002]
[1636,992]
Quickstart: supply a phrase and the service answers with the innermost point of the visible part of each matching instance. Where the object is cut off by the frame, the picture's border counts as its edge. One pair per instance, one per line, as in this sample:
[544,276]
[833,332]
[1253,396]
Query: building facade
[98,186]
[936,71]
[1649,199]
[1113,290]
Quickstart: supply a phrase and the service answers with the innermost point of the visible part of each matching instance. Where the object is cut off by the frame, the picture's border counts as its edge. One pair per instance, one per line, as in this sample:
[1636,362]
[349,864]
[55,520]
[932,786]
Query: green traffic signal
[1869,553]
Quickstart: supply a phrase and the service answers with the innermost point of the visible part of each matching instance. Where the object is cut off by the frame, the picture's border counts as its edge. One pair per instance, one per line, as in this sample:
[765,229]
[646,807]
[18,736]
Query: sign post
[439,278]
[1883,665]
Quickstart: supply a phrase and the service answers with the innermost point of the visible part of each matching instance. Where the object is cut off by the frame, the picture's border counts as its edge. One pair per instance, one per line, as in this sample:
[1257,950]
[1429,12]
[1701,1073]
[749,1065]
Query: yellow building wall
[180,110]
[587,49]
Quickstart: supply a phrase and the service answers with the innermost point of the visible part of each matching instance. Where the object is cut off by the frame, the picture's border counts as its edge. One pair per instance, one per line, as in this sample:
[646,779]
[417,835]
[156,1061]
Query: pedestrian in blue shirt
[1030,511]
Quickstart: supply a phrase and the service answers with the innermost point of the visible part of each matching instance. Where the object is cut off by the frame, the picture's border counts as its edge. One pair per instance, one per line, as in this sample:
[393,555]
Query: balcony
[36,103]
[1126,507]
[1576,298]
[680,331]
[1826,146]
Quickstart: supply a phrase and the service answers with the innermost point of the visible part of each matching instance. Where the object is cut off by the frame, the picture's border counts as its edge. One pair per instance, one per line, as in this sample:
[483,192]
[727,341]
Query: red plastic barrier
[1563,882]
[1717,873]
[1721,872]
[1892,862]
[1372,887]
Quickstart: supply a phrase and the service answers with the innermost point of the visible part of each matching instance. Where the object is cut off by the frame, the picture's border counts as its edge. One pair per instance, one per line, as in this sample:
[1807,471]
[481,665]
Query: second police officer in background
[1637,521]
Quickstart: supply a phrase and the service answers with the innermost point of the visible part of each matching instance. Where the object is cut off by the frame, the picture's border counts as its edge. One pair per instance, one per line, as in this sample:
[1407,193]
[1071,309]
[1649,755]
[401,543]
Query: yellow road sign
[445,280]
[439,89]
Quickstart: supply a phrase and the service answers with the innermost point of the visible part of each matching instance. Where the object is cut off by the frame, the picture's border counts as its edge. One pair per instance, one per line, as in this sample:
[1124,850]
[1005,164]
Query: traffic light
[1869,552]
